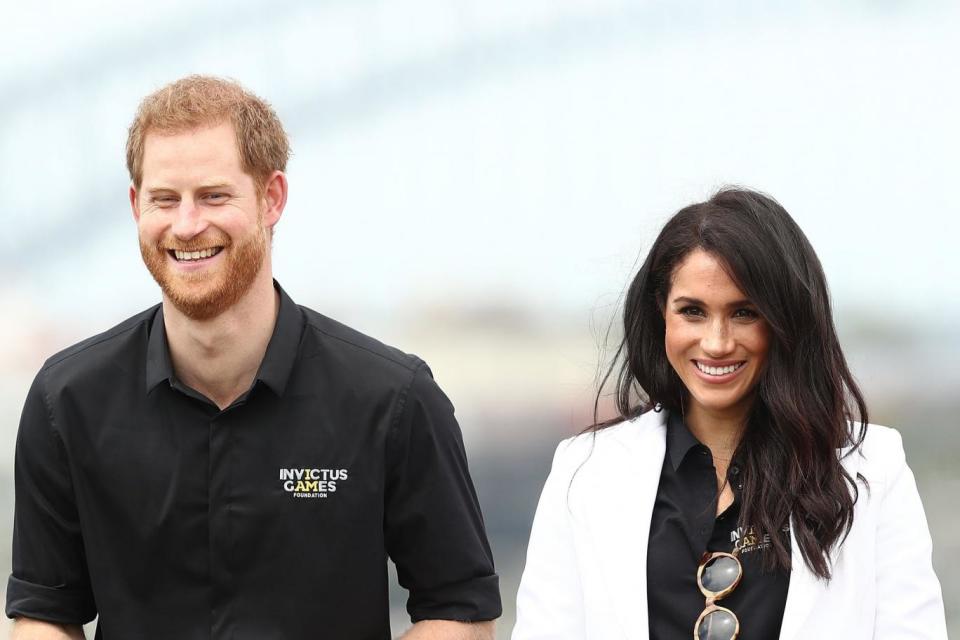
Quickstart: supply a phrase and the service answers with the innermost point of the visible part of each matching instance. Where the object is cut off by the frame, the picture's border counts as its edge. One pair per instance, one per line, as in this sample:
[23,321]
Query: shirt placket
[220,506]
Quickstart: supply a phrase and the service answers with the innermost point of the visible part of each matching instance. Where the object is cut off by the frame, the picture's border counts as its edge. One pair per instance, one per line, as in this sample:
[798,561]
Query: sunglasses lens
[720,573]
[717,625]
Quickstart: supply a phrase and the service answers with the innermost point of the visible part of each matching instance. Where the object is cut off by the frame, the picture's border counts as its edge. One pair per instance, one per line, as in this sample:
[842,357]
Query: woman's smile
[718,373]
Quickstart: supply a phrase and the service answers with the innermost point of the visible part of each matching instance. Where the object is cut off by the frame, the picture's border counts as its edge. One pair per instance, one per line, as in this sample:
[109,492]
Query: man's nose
[189,221]
[718,339]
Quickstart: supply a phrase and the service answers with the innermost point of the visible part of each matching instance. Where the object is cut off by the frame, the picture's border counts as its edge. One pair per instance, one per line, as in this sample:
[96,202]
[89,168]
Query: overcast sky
[481,151]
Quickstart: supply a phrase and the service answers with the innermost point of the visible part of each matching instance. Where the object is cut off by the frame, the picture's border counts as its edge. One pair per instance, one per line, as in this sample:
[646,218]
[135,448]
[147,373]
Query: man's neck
[220,357]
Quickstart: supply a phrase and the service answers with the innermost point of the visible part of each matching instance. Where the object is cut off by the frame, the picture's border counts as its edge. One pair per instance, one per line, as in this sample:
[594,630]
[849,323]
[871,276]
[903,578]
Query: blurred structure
[474,182]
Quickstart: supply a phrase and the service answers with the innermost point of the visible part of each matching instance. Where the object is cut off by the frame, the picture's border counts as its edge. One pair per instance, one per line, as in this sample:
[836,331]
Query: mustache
[194,244]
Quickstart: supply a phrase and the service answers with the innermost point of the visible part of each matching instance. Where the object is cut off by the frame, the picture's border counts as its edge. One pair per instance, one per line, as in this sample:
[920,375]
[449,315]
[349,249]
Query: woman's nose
[718,339]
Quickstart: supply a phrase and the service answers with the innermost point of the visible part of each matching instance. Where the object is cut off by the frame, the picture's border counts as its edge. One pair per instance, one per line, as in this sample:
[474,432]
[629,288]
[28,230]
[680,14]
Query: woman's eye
[691,311]
[746,313]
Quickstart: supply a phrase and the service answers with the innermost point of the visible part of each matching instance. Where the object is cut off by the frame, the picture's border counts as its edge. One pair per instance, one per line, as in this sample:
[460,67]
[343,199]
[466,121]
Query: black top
[684,526]
[138,499]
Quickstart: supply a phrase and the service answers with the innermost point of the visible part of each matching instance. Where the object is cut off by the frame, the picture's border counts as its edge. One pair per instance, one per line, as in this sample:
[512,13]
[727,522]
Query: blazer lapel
[627,473]
[804,590]
[805,587]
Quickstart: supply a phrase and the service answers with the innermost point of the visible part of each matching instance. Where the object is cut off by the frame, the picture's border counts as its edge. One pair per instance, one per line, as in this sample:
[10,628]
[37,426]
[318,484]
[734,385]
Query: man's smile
[188,256]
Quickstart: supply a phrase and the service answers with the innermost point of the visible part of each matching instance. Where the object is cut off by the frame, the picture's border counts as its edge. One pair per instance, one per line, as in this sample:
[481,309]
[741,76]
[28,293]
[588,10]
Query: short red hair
[200,101]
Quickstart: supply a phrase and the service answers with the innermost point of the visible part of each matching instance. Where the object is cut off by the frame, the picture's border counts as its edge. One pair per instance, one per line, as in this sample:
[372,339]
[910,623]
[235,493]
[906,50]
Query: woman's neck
[718,431]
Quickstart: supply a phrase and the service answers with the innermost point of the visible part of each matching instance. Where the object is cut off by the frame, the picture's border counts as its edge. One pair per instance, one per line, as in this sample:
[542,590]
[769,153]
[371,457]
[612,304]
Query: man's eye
[215,197]
[164,201]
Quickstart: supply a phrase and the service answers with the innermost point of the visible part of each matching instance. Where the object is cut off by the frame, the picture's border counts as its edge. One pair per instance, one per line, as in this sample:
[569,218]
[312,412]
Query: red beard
[207,293]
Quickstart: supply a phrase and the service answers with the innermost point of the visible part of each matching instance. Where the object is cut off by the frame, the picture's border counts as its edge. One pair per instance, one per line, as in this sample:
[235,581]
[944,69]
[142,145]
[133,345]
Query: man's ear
[134,203]
[275,198]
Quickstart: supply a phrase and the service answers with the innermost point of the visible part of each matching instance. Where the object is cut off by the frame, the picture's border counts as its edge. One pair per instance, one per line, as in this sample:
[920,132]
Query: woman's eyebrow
[688,300]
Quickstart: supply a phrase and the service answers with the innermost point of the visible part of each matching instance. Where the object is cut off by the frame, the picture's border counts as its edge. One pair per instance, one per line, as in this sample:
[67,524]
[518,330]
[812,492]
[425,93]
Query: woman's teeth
[719,371]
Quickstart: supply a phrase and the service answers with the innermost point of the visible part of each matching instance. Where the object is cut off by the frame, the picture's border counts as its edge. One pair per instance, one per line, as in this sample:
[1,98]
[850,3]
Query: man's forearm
[450,630]
[27,629]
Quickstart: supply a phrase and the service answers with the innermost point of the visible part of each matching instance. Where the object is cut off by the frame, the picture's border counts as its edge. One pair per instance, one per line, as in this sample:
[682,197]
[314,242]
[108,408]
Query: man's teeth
[196,255]
[719,371]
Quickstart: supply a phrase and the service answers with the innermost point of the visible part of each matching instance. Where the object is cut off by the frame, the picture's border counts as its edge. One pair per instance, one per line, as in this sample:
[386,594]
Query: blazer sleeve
[909,601]
[549,600]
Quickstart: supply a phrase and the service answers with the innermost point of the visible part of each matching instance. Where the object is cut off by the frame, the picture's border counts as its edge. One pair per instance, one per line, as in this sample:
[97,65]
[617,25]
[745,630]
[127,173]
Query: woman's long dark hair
[807,404]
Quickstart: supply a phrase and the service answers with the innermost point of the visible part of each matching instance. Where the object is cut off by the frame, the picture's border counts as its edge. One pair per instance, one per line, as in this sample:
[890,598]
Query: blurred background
[474,181]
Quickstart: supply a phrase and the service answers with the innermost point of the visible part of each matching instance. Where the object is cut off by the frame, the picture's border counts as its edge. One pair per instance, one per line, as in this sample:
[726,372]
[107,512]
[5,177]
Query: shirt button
[734,470]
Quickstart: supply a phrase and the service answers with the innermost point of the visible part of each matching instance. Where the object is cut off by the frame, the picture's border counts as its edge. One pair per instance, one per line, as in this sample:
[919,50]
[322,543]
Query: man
[228,464]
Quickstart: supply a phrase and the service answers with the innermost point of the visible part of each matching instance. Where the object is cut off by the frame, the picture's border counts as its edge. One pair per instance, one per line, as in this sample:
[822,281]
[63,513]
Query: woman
[741,492]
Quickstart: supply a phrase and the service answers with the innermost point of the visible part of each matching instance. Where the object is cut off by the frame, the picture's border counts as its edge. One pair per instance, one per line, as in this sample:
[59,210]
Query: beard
[206,293]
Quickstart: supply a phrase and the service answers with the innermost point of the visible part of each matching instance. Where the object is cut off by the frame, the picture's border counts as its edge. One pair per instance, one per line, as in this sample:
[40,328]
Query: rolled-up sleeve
[50,580]
[433,526]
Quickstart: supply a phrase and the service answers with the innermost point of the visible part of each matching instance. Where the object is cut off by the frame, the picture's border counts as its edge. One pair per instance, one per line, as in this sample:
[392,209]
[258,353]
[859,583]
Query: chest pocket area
[146,478]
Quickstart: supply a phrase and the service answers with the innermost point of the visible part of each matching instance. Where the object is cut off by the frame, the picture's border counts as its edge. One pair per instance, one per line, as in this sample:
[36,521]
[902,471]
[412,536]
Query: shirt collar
[679,439]
[277,362]
[284,344]
[159,366]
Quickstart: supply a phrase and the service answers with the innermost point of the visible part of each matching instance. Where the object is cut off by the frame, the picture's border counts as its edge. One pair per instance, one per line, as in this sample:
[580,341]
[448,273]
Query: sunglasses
[719,574]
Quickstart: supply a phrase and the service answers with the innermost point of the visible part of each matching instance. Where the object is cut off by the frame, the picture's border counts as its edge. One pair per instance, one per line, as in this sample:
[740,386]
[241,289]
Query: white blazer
[586,574]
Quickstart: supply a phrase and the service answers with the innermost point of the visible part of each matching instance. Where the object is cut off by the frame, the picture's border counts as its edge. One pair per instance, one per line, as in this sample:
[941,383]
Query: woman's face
[716,339]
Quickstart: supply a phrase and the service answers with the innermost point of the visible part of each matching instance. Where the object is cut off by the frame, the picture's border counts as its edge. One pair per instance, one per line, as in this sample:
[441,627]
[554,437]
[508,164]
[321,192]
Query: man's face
[200,220]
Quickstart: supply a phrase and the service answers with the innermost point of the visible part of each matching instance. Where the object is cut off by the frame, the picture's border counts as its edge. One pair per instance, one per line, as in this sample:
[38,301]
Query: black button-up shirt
[684,526]
[139,500]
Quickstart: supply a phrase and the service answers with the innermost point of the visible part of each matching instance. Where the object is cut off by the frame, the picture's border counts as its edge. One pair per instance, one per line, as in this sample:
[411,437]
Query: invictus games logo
[746,539]
[312,483]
